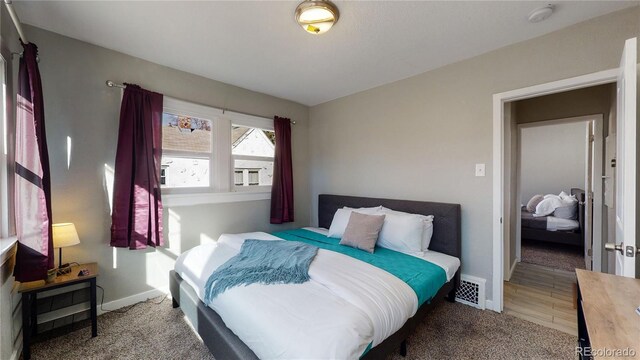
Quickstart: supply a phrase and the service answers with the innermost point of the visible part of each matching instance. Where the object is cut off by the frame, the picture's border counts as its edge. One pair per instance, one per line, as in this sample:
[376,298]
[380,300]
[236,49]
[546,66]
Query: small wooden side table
[607,320]
[30,290]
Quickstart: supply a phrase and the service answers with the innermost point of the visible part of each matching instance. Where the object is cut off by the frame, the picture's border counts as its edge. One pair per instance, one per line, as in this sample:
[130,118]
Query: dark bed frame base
[555,237]
[224,344]
[447,239]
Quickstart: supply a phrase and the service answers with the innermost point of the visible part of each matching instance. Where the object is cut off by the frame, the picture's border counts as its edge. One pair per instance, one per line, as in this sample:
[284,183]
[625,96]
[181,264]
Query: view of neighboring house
[253,150]
[187,146]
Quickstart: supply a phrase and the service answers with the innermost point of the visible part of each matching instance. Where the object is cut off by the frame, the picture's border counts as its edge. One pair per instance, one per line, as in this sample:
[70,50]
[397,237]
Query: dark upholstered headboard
[446,222]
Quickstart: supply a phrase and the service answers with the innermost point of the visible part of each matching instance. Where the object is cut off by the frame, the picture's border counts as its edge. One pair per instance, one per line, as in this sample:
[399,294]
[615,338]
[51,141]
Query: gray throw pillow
[535,200]
[362,231]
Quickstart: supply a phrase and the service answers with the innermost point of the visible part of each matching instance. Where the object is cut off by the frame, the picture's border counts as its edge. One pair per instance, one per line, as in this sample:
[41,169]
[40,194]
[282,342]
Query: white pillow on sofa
[408,246]
[341,219]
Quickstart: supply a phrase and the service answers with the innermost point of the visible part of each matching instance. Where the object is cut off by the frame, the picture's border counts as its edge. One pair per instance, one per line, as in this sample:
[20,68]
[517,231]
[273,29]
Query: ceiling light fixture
[541,14]
[317,16]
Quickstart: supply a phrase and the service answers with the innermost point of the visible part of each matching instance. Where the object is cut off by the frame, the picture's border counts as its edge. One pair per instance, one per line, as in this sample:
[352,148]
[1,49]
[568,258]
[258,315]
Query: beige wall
[420,137]
[581,102]
[79,105]
[553,159]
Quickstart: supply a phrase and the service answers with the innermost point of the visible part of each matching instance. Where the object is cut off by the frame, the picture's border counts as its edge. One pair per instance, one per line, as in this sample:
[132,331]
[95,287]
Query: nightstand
[30,290]
[608,325]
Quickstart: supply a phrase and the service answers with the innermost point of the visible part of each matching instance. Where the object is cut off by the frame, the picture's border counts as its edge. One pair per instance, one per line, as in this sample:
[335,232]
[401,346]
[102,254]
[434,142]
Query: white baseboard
[488,305]
[130,300]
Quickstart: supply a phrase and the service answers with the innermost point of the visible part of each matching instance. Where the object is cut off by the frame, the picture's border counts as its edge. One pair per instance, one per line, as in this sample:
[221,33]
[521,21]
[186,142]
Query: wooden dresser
[608,325]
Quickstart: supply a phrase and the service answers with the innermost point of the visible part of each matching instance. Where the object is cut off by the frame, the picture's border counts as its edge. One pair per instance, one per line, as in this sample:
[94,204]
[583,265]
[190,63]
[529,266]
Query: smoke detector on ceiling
[541,14]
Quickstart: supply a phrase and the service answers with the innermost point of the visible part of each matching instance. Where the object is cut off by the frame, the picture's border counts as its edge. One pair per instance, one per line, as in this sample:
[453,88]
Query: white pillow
[427,231]
[402,233]
[366,210]
[567,211]
[341,219]
[548,205]
[566,197]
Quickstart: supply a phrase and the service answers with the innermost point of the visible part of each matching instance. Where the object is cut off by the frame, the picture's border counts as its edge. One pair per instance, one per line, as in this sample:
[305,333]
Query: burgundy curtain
[32,178]
[136,220]
[282,188]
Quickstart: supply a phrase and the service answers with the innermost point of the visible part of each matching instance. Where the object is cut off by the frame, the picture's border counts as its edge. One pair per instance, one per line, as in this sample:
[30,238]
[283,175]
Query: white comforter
[346,305]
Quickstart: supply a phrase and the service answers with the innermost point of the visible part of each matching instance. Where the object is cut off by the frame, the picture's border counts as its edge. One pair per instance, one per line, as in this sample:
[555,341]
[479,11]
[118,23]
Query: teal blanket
[263,262]
[423,277]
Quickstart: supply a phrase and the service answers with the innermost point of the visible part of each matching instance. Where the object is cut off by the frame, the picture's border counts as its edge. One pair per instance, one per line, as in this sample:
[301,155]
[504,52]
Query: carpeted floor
[557,256]
[452,331]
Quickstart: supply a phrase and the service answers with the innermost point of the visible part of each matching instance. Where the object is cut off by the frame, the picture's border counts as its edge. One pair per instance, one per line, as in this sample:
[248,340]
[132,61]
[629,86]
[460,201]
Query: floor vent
[471,291]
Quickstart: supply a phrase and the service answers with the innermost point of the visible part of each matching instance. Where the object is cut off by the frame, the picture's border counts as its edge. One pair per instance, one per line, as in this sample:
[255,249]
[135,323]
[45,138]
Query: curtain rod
[16,20]
[122,86]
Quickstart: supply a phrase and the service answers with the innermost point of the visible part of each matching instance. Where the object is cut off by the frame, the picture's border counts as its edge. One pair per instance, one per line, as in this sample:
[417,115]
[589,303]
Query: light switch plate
[480,170]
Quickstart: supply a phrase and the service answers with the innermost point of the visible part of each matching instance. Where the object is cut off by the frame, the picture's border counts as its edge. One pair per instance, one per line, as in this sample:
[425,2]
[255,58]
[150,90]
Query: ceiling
[258,45]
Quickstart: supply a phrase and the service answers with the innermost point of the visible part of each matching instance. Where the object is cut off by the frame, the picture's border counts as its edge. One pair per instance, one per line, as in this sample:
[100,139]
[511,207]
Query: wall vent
[471,291]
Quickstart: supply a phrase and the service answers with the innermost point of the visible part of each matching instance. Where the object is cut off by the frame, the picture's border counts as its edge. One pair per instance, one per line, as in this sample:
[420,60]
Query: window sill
[170,200]
[6,245]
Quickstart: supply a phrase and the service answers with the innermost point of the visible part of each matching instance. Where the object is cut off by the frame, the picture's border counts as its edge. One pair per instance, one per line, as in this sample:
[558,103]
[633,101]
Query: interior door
[588,195]
[625,245]
[610,195]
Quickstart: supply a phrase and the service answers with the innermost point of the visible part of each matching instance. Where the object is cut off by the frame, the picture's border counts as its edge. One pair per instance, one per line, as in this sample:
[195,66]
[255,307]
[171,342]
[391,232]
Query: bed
[555,230]
[225,344]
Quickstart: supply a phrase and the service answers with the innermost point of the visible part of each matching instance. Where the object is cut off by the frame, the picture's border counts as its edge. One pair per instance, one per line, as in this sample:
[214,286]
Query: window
[252,150]
[6,158]
[207,150]
[187,151]
[189,147]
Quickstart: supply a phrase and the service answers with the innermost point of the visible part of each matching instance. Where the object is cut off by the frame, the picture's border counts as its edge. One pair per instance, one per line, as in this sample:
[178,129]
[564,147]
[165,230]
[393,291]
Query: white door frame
[499,129]
[598,121]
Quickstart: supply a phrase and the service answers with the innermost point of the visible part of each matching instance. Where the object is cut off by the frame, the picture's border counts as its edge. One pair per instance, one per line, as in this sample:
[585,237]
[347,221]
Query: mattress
[549,223]
[351,304]
[556,223]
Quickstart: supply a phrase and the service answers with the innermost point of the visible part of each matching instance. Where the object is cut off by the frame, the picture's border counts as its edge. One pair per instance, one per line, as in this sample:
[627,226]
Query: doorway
[558,165]
[505,192]
[560,160]
[625,243]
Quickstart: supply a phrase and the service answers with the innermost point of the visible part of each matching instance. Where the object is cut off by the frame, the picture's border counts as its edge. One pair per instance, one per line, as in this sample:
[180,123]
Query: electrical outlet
[479,169]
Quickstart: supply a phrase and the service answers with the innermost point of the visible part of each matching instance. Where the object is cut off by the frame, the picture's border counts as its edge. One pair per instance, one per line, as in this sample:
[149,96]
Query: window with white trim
[207,150]
[6,226]
[252,149]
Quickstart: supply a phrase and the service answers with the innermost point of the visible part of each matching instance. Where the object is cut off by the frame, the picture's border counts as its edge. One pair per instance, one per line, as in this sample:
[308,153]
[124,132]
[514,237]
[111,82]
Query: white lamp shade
[64,235]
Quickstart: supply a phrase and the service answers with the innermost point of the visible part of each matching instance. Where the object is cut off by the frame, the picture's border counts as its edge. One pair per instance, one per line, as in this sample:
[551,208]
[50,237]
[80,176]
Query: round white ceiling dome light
[317,16]
[541,14]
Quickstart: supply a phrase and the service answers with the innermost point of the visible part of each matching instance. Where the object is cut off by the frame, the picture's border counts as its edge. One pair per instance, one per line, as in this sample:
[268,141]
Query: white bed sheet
[450,264]
[350,304]
[556,223]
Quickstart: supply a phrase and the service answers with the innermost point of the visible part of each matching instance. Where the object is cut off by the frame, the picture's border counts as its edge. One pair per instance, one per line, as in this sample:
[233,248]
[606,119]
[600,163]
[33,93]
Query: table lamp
[64,235]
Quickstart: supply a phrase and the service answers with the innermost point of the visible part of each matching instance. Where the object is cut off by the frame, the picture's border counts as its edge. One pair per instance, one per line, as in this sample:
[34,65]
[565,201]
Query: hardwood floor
[542,295]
